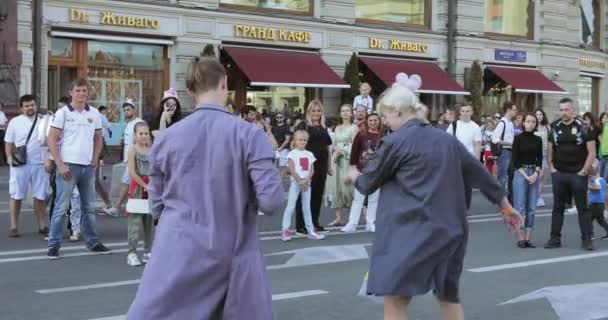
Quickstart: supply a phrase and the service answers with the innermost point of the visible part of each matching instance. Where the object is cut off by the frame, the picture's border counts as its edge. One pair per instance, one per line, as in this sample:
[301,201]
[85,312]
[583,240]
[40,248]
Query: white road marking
[529,263]
[275,297]
[90,286]
[67,248]
[321,255]
[78,254]
[572,302]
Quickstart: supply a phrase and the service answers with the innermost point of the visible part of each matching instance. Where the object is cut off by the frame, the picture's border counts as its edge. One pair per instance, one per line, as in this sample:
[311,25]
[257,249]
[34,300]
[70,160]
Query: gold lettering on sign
[590,63]
[271,34]
[110,18]
[78,16]
[375,43]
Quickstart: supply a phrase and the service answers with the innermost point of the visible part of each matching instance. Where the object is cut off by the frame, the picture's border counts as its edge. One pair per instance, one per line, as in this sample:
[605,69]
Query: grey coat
[210,173]
[421,228]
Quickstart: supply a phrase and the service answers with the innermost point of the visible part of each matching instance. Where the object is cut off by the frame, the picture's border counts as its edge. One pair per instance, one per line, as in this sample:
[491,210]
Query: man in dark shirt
[282,133]
[571,152]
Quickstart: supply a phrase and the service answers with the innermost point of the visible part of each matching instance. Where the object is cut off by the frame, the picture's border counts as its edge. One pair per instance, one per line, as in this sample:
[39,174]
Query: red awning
[526,80]
[434,79]
[284,68]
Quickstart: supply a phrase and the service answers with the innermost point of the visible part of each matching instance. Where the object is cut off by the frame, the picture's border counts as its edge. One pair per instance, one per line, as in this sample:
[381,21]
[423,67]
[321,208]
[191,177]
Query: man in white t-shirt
[78,125]
[467,131]
[127,141]
[469,134]
[22,131]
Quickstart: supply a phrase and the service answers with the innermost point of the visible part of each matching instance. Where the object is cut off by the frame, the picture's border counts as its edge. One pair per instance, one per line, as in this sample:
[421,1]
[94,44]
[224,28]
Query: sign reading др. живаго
[510,55]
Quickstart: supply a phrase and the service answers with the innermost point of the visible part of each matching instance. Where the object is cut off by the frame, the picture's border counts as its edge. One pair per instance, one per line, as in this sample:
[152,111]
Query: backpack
[497,148]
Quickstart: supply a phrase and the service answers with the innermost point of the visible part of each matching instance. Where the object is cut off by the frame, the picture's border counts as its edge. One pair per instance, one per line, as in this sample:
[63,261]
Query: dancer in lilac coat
[210,174]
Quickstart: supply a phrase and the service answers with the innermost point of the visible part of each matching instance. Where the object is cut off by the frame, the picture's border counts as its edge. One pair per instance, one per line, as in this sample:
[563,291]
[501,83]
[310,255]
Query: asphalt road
[316,279]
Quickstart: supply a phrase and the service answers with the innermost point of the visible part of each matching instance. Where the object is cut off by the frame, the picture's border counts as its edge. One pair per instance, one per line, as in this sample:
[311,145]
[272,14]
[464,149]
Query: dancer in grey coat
[210,174]
[421,226]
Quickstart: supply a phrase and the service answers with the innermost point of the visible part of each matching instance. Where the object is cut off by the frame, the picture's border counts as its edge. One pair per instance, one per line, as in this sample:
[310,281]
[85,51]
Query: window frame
[531,23]
[311,10]
[597,24]
[428,17]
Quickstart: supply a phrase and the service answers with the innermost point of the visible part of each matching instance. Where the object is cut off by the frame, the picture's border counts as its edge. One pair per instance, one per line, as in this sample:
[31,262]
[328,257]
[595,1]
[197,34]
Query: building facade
[282,53]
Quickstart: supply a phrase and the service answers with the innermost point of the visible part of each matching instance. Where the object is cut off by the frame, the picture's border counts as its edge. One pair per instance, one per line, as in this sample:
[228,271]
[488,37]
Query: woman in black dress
[319,143]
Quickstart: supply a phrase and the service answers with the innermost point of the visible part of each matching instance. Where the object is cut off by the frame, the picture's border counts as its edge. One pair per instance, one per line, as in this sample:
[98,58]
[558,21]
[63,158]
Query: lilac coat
[210,174]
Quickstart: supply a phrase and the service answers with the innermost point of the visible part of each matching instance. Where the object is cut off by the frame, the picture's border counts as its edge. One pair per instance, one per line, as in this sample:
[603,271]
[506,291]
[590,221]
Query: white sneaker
[145,258]
[370,228]
[133,260]
[111,211]
[75,237]
[540,202]
[315,236]
[349,228]
[572,210]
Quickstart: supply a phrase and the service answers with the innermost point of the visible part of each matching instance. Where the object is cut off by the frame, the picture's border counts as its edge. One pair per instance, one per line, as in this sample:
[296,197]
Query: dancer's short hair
[204,74]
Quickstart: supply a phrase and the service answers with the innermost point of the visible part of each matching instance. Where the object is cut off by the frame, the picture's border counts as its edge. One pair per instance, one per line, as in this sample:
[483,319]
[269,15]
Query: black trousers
[597,214]
[566,184]
[510,182]
[317,188]
[2,150]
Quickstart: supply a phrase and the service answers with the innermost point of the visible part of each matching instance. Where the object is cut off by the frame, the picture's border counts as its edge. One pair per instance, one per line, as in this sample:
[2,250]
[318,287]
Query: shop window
[590,22]
[277,99]
[121,71]
[412,12]
[61,47]
[588,94]
[295,6]
[509,17]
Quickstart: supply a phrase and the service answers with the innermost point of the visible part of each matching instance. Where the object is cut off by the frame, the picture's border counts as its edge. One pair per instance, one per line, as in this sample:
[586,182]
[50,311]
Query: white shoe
[75,237]
[349,228]
[133,260]
[370,228]
[572,210]
[111,211]
[315,236]
[145,258]
[540,202]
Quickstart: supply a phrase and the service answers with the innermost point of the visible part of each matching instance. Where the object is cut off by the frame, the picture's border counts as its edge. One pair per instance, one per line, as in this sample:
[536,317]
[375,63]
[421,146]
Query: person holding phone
[170,112]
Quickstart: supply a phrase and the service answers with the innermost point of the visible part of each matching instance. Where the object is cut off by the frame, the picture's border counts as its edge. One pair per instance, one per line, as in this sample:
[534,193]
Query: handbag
[139,206]
[495,147]
[20,153]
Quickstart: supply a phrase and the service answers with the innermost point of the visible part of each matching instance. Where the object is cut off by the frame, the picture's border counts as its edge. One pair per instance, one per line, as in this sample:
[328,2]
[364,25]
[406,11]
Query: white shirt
[487,138]
[368,102]
[509,133]
[78,129]
[3,120]
[128,137]
[302,161]
[16,133]
[468,133]
[106,127]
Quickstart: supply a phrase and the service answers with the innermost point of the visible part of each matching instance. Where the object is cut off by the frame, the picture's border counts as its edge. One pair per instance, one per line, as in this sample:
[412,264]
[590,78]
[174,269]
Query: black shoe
[553,243]
[44,233]
[53,253]
[13,233]
[521,244]
[529,244]
[588,245]
[301,231]
[320,229]
[101,249]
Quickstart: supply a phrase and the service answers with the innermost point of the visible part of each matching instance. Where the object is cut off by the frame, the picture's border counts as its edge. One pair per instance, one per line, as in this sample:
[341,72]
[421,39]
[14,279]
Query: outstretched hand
[352,175]
[512,220]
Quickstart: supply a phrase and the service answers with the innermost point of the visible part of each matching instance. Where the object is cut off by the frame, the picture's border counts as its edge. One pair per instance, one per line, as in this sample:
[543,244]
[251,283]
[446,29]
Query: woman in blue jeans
[527,163]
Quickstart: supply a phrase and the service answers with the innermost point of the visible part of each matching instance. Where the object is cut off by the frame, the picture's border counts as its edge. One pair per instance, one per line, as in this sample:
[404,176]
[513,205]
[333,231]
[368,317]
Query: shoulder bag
[20,153]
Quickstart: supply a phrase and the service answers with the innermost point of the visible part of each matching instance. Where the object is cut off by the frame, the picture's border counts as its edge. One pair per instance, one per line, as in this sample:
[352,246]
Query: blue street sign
[510,55]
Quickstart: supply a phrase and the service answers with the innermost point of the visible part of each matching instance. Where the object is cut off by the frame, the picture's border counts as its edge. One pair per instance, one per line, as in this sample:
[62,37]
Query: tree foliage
[351,76]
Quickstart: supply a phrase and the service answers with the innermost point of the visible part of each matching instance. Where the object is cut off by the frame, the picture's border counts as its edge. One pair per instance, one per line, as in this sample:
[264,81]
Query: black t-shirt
[280,133]
[318,141]
[569,145]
